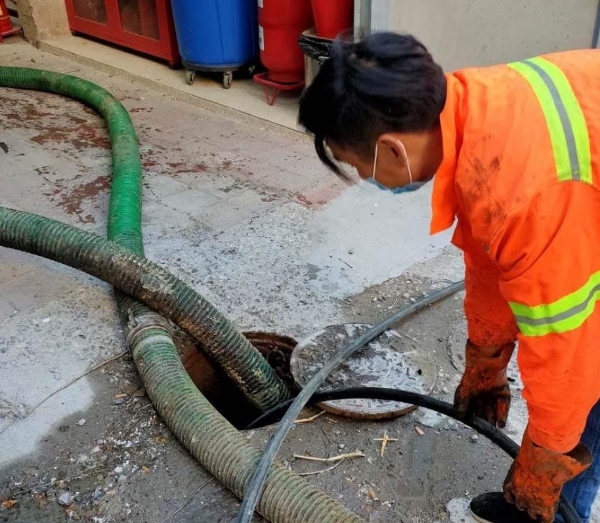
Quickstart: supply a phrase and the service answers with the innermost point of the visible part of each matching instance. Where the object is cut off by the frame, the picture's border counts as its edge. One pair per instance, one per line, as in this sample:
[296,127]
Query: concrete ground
[245,97]
[249,217]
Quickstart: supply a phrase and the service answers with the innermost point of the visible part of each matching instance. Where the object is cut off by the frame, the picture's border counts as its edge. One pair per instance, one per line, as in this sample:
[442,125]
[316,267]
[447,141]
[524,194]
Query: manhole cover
[456,353]
[389,361]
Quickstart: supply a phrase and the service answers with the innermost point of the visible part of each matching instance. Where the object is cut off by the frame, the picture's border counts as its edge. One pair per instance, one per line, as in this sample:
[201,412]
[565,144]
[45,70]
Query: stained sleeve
[490,321]
[548,254]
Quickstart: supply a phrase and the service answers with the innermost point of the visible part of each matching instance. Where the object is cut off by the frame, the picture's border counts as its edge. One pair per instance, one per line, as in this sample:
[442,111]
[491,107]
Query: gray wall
[462,33]
[42,19]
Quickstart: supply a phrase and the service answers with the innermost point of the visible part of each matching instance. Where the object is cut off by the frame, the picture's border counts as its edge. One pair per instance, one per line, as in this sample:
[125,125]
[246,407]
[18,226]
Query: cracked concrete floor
[251,219]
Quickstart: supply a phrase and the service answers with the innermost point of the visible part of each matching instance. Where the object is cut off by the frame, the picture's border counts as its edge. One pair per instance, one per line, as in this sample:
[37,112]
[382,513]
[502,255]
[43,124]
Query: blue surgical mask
[409,187]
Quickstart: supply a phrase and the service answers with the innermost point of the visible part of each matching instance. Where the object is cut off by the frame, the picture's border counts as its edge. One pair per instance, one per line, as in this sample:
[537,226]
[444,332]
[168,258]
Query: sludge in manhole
[217,387]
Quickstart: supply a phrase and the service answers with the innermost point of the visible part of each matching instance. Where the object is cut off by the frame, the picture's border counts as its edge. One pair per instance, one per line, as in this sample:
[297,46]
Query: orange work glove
[483,390]
[537,476]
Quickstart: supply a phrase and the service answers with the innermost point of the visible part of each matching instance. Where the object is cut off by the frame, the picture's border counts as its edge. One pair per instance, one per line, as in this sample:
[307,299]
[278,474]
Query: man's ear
[393,144]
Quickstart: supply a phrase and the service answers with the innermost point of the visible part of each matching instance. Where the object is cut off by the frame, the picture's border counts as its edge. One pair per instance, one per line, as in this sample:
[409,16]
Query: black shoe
[492,508]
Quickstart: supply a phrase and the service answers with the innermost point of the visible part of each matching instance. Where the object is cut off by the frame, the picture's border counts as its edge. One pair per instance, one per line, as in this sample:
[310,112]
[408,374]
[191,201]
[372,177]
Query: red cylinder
[6,27]
[332,17]
[281,22]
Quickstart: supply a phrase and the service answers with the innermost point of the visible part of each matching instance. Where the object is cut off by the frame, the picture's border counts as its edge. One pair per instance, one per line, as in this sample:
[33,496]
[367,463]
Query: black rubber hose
[259,477]
[412,398]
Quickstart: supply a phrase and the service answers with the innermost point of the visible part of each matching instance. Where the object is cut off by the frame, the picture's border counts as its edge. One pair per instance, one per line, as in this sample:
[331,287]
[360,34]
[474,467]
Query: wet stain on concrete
[86,134]
[27,112]
[76,119]
[71,199]
[50,173]
[147,163]
[319,196]
[159,159]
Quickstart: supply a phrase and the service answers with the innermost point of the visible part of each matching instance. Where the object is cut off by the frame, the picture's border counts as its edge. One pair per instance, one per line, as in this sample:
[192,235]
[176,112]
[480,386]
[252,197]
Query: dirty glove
[537,475]
[483,390]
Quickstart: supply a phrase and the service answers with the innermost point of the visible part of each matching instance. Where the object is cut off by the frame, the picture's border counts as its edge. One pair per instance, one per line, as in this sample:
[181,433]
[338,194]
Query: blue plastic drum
[216,35]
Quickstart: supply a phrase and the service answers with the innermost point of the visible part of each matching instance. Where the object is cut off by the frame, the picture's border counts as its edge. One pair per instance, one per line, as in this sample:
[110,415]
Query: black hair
[386,83]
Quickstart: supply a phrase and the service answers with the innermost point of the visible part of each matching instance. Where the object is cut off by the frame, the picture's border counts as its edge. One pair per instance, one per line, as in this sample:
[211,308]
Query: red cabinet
[145,26]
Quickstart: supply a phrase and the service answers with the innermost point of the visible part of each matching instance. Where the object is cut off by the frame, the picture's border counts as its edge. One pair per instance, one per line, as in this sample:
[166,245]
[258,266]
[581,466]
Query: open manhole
[216,386]
[388,361]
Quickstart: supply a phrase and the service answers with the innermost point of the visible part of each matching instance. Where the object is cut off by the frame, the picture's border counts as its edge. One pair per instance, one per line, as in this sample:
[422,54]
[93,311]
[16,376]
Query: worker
[513,152]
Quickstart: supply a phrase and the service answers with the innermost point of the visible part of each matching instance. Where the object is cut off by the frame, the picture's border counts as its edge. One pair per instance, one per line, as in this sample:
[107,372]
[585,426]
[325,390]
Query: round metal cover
[389,361]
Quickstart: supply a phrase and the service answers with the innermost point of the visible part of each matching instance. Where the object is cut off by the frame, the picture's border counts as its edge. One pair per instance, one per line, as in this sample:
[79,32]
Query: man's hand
[483,390]
[537,476]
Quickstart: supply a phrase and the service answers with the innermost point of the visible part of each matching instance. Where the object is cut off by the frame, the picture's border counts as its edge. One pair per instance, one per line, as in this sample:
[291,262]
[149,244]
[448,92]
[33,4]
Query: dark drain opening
[215,385]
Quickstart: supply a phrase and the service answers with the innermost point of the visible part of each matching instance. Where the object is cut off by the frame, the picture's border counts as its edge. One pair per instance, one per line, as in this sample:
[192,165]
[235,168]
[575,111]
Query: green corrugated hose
[221,449]
[233,352]
[211,439]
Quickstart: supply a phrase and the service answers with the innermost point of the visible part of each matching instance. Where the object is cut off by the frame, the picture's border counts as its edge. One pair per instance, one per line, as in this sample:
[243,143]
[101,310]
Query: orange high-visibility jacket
[521,173]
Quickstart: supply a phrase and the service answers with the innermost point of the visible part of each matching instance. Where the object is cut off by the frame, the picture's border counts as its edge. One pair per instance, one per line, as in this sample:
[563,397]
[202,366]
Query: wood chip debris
[326,435]
[322,470]
[356,454]
[129,389]
[145,470]
[71,514]
[372,494]
[9,503]
[308,420]
[419,431]
[384,441]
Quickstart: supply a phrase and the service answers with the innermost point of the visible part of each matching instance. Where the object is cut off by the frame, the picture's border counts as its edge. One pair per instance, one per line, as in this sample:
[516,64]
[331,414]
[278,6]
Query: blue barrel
[216,35]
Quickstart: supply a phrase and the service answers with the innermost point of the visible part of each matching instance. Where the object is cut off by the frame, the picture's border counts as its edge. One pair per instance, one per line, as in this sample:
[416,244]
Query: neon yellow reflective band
[563,315]
[564,118]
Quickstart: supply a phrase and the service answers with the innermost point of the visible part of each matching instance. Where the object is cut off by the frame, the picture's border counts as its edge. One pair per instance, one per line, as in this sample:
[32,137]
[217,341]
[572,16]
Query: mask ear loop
[410,178]
[403,147]
[375,160]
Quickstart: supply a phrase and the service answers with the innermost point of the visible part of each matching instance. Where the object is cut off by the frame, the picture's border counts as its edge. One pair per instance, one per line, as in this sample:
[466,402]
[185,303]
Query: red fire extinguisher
[281,22]
[333,17]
